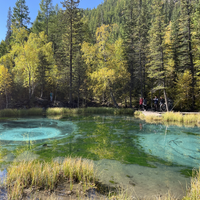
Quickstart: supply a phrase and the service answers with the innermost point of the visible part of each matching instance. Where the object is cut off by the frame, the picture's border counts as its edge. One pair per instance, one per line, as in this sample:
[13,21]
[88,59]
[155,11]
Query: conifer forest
[107,56]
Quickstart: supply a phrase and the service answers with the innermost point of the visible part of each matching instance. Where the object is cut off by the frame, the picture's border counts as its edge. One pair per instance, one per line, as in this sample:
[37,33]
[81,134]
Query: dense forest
[108,56]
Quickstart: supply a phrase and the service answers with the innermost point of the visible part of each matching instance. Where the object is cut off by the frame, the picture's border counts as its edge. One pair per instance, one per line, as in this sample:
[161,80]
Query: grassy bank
[172,117]
[21,112]
[89,110]
[61,111]
[46,176]
[36,176]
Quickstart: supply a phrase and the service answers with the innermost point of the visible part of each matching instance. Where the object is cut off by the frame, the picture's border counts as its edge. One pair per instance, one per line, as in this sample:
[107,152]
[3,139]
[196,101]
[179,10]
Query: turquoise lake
[146,159]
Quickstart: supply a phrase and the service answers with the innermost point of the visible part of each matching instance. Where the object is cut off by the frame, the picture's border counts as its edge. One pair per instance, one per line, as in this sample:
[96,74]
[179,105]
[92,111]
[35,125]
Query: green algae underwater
[114,143]
[94,137]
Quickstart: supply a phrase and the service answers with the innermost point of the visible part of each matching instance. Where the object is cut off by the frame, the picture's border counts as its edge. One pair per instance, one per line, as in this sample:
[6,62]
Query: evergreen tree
[3,48]
[43,18]
[157,70]
[141,42]
[9,23]
[129,25]
[21,14]
[186,57]
[136,27]
[71,37]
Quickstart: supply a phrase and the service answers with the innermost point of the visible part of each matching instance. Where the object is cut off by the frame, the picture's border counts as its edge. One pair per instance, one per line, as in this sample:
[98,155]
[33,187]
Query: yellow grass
[173,118]
[194,190]
[89,110]
[46,176]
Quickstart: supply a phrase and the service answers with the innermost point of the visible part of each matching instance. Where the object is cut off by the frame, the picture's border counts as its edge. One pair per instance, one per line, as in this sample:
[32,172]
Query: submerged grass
[46,176]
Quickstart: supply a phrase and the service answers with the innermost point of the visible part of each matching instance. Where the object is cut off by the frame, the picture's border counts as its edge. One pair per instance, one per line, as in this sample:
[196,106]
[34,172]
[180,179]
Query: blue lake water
[145,158]
[178,145]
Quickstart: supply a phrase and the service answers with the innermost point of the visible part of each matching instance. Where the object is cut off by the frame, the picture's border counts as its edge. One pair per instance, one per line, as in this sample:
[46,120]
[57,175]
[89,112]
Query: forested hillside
[111,55]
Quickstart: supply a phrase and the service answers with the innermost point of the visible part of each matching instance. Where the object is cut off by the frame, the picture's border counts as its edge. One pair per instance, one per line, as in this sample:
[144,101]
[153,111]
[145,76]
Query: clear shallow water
[126,150]
[37,130]
[177,145]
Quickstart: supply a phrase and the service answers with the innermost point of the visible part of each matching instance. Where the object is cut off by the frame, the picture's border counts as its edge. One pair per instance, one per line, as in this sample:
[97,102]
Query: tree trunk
[6,98]
[70,65]
[42,91]
[191,57]
[29,85]
[166,102]
[78,89]
[112,96]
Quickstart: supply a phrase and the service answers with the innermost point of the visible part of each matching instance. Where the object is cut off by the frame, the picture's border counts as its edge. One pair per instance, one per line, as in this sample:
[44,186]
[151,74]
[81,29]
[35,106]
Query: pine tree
[71,37]
[3,48]
[129,26]
[9,23]
[141,42]
[157,70]
[43,18]
[21,14]
[186,57]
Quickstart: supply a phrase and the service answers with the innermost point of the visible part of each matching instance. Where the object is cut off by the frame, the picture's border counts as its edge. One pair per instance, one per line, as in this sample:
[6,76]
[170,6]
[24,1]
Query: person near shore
[155,101]
[162,102]
[144,104]
[51,96]
[141,103]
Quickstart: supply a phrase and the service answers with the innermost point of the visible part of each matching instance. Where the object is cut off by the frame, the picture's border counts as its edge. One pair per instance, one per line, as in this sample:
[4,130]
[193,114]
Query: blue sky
[33,9]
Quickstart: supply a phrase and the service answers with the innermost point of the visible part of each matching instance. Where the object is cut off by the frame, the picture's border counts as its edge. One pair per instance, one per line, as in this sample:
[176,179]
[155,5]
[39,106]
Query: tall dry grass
[46,176]
[172,117]
[89,110]
[194,190]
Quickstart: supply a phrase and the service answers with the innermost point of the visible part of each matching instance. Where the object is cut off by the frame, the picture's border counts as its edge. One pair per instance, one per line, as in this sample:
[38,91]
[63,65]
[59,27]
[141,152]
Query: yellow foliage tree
[5,82]
[105,61]
[183,90]
[25,51]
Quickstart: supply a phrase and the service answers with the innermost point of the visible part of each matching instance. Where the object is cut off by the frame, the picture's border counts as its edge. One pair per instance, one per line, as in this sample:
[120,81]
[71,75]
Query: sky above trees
[33,9]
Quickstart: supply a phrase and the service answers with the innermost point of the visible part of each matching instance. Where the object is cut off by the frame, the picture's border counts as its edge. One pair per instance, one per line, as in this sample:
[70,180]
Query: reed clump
[21,112]
[194,190]
[46,176]
[172,117]
[180,118]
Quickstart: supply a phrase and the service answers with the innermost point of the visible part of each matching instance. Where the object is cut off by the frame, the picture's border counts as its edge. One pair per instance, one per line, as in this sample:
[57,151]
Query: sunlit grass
[194,190]
[89,110]
[46,176]
[172,117]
